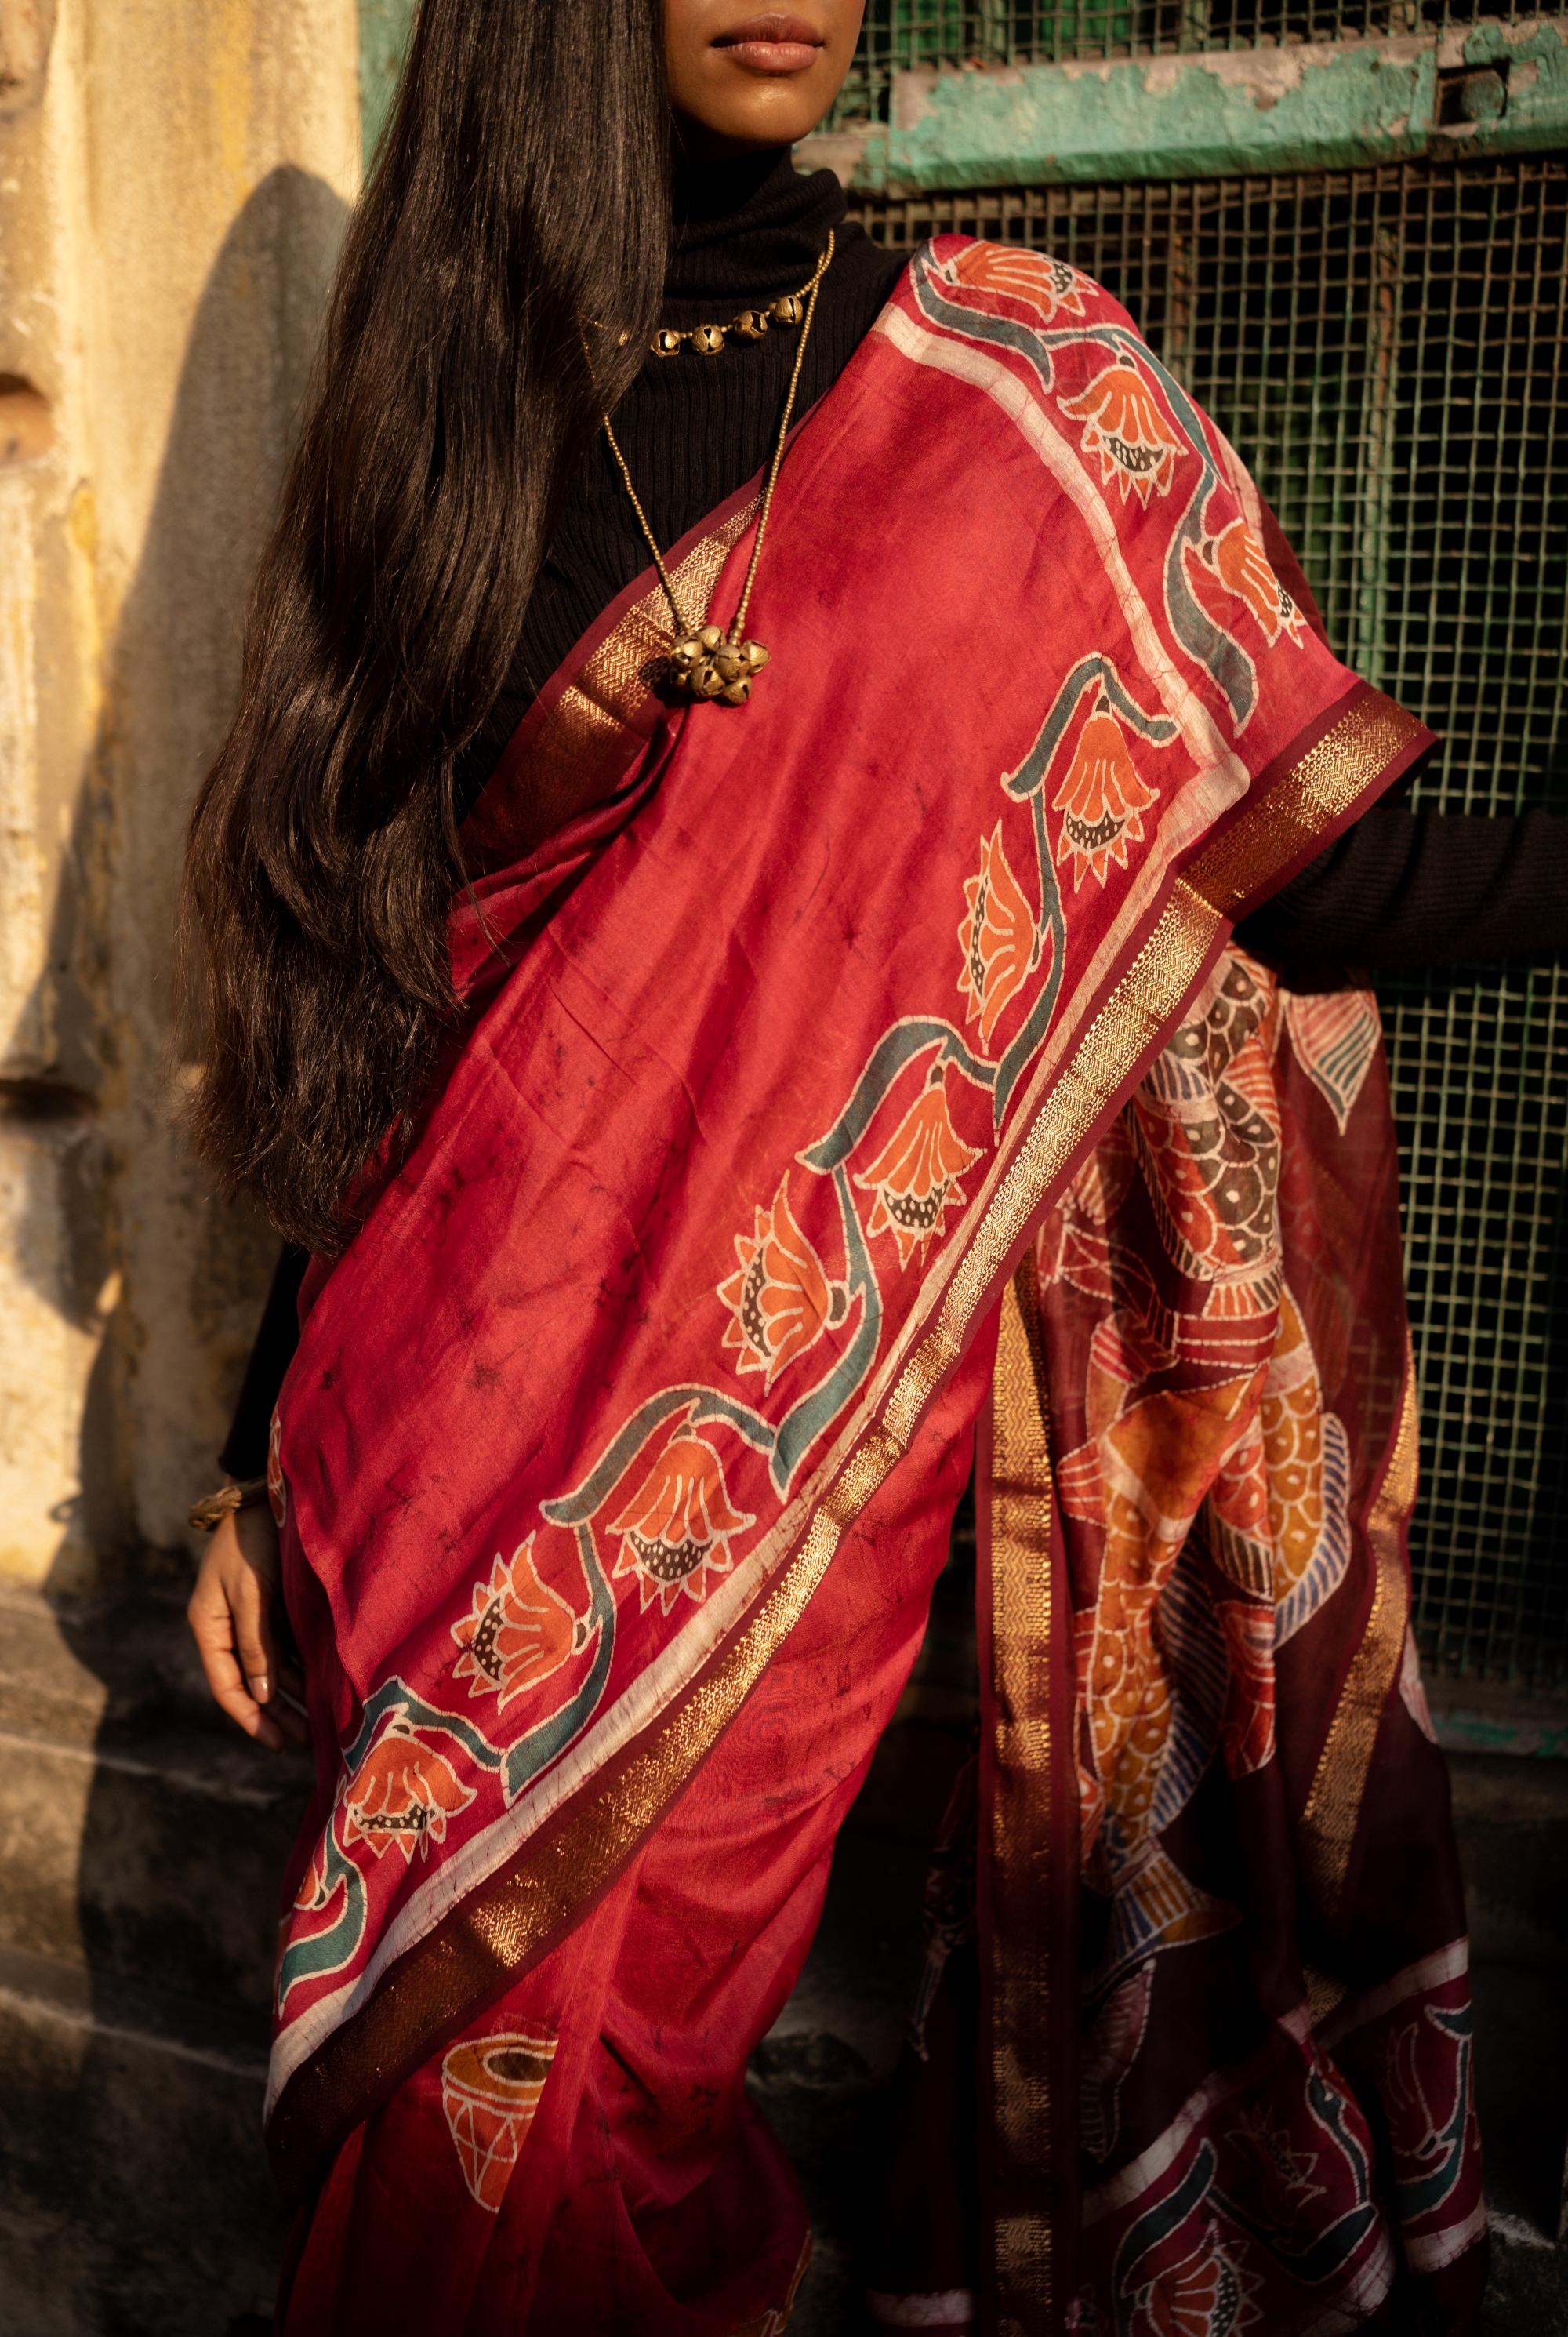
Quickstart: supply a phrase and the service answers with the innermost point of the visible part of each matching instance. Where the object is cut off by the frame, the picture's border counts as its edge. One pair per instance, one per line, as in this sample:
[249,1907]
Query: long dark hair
[522,187]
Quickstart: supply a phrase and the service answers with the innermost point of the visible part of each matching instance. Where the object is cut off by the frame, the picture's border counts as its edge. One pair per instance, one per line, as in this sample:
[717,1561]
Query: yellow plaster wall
[174,176]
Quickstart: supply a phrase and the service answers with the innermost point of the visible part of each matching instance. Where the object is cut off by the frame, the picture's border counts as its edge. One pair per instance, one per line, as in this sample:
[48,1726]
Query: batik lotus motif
[402,1793]
[1242,567]
[490,2090]
[780,1300]
[678,1524]
[1283,2172]
[998,937]
[1122,424]
[915,1176]
[518,1632]
[1102,799]
[1204,2295]
[1047,286]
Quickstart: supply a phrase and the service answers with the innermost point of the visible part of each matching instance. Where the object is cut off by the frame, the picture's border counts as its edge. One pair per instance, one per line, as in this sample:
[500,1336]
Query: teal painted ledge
[384,28]
[1214,115]
[1529,60]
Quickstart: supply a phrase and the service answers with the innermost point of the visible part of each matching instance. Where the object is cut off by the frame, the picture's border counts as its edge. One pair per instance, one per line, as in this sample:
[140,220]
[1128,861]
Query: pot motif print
[490,2090]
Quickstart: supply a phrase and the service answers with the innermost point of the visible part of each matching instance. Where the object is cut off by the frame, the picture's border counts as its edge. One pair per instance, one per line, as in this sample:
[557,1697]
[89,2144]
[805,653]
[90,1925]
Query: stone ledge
[134,2193]
[141,1836]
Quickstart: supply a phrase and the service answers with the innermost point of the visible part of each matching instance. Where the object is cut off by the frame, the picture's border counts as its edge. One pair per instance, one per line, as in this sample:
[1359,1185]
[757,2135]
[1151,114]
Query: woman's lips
[773,44]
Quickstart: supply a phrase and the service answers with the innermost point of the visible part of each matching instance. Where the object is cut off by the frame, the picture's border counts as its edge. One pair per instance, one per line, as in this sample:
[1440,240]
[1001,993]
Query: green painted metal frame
[1212,113]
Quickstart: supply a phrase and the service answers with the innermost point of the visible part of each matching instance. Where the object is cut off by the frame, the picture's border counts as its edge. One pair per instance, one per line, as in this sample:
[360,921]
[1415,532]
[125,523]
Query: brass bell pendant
[707,665]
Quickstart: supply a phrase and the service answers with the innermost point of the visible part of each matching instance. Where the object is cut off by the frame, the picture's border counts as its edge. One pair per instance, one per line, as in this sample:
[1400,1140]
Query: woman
[723,959]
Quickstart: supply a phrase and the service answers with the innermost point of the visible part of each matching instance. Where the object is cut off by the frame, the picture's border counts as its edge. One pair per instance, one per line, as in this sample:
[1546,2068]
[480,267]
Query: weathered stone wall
[174,175]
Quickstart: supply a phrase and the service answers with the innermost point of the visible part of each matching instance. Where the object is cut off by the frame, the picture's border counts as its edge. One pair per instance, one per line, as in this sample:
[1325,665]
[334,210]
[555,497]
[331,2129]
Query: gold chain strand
[704,663]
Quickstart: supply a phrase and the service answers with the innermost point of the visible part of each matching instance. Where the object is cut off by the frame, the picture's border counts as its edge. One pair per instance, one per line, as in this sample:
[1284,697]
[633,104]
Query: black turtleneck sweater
[1400,889]
[695,428]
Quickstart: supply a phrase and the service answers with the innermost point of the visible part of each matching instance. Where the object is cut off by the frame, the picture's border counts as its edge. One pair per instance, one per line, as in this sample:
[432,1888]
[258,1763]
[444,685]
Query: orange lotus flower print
[915,1176]
[998,937]
[1242,567]
[490,2090]
[1122,424]
[1102,799]
[1048,285]
[402,1793]
[518,1632]
[780,1298]
[678,1524]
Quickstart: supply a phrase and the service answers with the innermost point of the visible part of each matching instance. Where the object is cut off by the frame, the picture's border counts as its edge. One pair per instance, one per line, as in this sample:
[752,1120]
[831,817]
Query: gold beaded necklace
[706,663]
[751,324]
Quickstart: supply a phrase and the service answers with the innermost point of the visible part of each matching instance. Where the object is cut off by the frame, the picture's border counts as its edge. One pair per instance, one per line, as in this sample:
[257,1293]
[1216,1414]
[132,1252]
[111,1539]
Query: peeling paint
[1313,106]
[1535,53]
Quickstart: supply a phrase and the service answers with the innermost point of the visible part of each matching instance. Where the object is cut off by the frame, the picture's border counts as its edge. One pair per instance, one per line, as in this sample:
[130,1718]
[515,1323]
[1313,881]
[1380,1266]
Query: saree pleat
[616,1461]
[1203,1457]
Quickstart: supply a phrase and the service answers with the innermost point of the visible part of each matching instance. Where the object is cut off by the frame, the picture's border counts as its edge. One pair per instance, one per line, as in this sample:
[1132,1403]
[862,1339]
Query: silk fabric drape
[615,1463]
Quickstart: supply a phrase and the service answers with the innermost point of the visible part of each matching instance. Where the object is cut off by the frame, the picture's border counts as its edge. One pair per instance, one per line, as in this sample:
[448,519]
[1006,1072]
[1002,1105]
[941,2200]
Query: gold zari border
[512,1917]
[1022,1843]
[1333,1805]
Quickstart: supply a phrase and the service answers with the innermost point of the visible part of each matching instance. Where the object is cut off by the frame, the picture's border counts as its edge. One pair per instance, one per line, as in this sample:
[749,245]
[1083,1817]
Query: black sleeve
[245,1453]
[1422,888]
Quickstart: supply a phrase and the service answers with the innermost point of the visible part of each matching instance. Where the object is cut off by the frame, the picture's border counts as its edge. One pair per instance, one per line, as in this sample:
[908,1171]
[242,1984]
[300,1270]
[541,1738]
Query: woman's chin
[755,110]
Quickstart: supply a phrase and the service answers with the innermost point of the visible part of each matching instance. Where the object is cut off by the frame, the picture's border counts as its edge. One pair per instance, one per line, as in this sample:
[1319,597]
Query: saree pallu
[616,1461]
[1216,1870]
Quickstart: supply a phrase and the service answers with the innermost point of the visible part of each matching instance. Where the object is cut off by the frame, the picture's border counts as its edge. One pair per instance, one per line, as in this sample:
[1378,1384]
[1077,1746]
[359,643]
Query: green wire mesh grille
[955,33]
[1387,348]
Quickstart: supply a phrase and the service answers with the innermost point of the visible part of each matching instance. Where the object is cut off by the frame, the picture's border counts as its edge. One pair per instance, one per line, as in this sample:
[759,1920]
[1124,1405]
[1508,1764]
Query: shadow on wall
[183,1304]
[147,2169]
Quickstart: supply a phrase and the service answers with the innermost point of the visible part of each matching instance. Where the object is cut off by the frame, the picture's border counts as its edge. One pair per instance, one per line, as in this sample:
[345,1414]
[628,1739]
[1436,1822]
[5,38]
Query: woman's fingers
[271,1681]
[213,1629]
[250,1602]
[229,1619]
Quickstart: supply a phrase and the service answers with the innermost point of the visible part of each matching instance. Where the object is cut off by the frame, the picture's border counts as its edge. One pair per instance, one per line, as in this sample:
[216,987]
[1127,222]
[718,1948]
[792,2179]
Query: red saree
[617,1459]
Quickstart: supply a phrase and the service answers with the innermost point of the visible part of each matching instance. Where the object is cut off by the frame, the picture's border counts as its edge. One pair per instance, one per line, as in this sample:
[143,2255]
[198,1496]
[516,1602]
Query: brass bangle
[209,1512]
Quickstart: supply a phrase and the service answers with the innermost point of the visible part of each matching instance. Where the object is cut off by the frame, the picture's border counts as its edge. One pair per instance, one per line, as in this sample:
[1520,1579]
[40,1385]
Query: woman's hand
[230,1614]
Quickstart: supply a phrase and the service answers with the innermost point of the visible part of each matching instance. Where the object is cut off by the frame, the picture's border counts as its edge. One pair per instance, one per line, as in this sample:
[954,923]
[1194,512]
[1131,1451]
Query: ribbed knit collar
[746,230]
